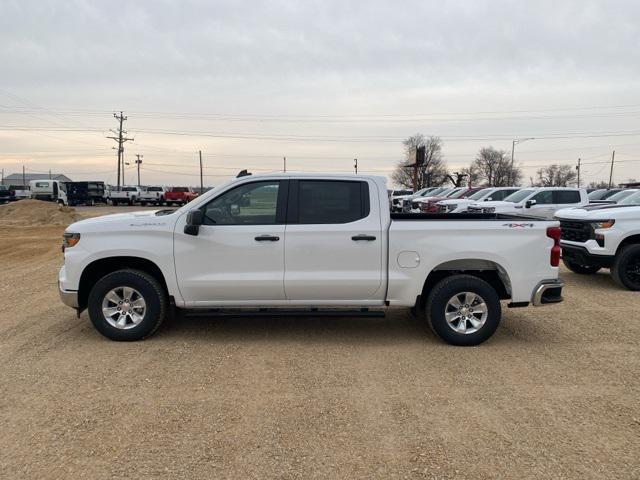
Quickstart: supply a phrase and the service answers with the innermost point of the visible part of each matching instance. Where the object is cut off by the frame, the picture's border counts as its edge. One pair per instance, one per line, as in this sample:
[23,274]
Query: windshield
[154,189]
[598,194]
[128,189]
[453,193]
[4,187]
[459,194]
[433,191]
[179,189]
[610,193]
[519,195]
[480,194]
[631,199]
[620,195]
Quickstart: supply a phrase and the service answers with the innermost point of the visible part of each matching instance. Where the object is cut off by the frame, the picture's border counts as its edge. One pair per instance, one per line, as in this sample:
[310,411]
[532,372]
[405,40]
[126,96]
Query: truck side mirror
[194,220]
[488,199]
[529,203]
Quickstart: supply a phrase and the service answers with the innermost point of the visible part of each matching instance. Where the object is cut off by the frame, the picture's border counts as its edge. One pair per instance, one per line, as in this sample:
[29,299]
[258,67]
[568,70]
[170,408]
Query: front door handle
[366,238]
[267,238]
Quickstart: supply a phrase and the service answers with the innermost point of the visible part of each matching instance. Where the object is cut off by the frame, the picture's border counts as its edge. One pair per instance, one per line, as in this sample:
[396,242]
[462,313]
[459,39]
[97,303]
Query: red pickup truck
[179,195]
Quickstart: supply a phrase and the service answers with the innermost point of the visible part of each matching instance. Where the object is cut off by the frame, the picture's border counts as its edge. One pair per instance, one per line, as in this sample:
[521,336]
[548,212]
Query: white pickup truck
[540,202]
[153,194]
[128,194]
[603,236]
[306,242]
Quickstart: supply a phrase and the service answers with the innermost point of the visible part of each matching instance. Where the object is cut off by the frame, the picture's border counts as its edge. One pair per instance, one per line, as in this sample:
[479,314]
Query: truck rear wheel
[581,269]
[626,267]
[127,305]
[463,310]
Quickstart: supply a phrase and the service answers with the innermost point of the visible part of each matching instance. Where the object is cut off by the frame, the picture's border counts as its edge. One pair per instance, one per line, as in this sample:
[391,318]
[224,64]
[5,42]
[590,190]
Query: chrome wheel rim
[123,308]
[466,312]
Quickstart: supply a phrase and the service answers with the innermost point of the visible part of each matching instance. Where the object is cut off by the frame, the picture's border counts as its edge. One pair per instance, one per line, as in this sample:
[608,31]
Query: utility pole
[513,151]
[49,174]
[613,156]
[24,178]
[201,183]
[138,162]
[578,169]
[355,165]
[284,164]
[2,177]
[121,139]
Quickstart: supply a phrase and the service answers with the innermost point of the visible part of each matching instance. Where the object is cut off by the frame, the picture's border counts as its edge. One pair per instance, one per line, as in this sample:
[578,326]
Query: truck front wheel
[127,305]
[626,267]
[581,269]
[463,310]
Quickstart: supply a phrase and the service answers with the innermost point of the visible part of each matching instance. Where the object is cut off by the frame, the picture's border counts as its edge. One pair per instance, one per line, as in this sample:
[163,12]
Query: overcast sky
[319,82]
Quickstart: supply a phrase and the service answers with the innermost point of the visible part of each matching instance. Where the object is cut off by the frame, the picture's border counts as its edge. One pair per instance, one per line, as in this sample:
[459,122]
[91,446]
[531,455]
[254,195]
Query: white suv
[540,202]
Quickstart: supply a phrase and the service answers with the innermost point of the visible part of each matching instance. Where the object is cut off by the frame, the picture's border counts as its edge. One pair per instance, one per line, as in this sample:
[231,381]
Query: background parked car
[417,205]
[431,206]
[6,194]
[602,194]
[180,195]
[128,194]
[401,203]
[20,191]
[459,205]
[619,196]
[153,194]
[536,202]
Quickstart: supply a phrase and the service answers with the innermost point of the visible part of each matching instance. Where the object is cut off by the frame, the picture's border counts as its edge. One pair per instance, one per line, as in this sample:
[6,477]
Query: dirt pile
[28,213]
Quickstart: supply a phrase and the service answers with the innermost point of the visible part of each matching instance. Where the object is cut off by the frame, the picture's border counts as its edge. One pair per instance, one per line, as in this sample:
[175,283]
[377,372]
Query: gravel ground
[554,394]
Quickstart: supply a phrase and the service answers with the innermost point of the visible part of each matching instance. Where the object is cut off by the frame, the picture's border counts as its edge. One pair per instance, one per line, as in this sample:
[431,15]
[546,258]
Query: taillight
[554,233]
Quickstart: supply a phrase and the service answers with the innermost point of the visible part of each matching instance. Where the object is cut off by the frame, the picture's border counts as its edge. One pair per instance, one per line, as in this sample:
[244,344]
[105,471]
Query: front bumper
[547,291]
[68,297]
[582,256]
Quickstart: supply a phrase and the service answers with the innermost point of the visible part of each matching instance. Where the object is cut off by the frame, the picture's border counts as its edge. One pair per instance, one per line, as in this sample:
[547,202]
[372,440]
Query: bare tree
[556,175]
[494,167]
[599,185]
[432,173]
[472,176]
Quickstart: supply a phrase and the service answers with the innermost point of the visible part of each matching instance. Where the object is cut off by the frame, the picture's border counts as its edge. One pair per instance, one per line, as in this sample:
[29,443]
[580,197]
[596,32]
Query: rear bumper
[547,291]
[68,297]
[582,256]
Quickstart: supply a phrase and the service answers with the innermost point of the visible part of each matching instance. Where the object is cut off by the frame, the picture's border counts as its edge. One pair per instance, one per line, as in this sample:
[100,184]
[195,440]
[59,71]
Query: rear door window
[330,202]
[567,196]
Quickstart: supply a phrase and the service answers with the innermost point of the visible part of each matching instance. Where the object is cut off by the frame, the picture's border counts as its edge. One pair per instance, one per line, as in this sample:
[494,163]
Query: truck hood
[599,212]
[129,219]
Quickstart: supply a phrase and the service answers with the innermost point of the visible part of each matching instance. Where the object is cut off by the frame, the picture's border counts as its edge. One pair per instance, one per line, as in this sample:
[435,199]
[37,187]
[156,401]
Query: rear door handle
[267,238]
[365,238]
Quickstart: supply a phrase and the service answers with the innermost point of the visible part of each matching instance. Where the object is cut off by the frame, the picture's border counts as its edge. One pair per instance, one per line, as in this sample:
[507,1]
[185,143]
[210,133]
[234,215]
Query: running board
[274,312]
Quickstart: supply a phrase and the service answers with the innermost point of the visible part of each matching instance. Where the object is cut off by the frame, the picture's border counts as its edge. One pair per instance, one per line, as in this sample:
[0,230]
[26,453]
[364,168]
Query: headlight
[69,240]
[602,224]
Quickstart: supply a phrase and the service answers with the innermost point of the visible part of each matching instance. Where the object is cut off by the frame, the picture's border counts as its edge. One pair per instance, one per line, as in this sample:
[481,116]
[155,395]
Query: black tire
[446,290]
[626,267]
[580,269]
[149,288]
